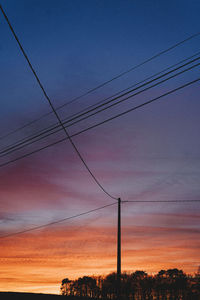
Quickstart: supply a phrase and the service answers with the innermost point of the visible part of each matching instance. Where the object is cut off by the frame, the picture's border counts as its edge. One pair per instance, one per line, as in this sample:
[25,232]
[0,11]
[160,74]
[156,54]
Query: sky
[152,153]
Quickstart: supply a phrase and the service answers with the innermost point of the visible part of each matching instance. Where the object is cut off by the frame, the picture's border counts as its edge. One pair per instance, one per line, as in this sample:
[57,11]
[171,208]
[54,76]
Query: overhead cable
[88,212]
[75,115]
[161,201]
[56,222]
[102,122]
[104,83]
[54,110]
[35,138]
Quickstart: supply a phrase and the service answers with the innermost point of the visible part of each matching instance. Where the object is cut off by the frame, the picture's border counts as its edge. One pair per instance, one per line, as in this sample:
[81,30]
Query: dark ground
[27,296]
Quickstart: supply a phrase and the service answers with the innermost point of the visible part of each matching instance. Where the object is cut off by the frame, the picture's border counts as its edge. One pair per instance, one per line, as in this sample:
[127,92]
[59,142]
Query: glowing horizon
[47,257]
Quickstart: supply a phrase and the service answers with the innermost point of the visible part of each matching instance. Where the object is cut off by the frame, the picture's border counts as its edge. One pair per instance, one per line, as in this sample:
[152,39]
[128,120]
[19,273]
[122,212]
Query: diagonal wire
[56,222]
[76,115]
[53,109]
[91,211]
[102,122]
[51,127]
[104,83]
[28,141]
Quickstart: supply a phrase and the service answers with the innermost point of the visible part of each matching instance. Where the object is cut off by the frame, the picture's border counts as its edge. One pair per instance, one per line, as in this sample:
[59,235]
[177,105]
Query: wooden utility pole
[119,251]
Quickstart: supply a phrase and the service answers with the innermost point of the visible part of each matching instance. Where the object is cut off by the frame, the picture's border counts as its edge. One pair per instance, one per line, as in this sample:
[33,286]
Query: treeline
[171,284]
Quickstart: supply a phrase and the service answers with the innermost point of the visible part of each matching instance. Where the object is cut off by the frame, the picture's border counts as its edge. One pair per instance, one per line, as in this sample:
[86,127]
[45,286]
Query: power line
[17,146]
[91,211]
[160,201]
[24,142]
[56,222]
[101,85]
[85,110]
[53,109]
[102,122]
[110,97]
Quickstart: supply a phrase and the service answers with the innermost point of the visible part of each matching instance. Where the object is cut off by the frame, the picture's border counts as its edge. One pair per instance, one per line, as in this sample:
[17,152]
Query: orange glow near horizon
[39,262]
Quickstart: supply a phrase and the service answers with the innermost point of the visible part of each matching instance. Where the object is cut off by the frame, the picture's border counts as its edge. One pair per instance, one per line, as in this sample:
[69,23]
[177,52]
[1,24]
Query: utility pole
[119,251]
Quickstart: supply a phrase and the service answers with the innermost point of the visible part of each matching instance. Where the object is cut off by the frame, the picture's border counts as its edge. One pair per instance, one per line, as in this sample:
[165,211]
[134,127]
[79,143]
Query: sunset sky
[152,153]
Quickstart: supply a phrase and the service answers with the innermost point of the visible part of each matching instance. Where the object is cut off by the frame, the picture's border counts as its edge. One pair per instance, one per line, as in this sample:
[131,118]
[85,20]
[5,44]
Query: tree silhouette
[65,287]
[171,284]
[109,286]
